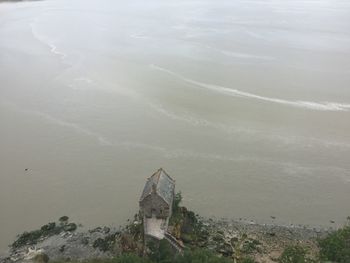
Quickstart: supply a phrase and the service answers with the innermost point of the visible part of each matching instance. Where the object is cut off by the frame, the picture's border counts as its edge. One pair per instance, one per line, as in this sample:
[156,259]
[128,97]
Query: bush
[161,253]
[177,201]
[336,246]
[294,254]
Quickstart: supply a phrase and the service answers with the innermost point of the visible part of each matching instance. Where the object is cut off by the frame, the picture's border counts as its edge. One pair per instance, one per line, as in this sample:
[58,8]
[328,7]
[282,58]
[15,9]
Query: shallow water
[245,103]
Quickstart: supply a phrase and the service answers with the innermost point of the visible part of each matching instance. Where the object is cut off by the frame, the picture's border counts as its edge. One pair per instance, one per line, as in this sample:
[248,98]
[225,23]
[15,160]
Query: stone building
[156,205]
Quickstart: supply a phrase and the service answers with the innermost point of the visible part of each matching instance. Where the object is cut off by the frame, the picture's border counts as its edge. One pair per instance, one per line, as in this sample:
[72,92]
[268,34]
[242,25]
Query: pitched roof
[162,183]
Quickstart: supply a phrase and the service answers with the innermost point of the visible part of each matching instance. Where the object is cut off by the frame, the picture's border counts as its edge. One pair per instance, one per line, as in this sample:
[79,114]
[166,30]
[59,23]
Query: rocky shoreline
[262,242]
[63,242]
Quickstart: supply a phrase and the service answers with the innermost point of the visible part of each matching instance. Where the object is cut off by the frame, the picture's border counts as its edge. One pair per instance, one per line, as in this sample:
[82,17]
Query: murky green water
[245,103]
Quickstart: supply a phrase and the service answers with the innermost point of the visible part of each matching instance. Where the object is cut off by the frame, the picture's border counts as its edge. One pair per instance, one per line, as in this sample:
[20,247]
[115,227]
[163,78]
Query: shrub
[336,246]
[161,253]
[294,254]
[177,201]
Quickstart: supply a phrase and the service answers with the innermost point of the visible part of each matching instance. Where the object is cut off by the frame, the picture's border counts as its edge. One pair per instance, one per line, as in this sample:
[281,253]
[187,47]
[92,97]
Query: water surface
[245,103]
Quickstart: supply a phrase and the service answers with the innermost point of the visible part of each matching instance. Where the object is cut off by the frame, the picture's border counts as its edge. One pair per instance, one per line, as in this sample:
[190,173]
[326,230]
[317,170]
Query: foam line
[310,105]
[73,126]
[45,41]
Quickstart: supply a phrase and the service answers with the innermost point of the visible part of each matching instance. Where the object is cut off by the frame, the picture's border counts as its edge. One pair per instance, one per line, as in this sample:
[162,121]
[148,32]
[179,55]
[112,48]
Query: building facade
[158,196]
[156,204]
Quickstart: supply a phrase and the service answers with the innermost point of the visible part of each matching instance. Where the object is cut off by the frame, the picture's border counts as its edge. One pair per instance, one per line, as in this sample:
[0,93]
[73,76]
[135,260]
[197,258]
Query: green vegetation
[250,246]
[196,256]
[160,253]
[333,248]
[176,209]
[105,244]
[295,254]
[186,226]
[50,229]
[177,201]
[336,246]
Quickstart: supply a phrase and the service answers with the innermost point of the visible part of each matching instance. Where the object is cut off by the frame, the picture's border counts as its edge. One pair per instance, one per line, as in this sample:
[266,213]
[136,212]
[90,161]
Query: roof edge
[162,170]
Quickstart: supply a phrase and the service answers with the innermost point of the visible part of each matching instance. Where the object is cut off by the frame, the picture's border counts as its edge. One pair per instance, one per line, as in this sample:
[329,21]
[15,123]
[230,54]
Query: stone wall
[156,205]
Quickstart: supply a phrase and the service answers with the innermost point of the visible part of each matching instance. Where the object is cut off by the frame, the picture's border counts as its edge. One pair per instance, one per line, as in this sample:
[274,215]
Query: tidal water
[246,103]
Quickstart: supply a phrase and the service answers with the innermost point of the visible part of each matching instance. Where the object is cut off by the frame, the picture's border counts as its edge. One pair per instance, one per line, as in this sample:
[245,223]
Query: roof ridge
[160,170]
[168,175]
[154,183]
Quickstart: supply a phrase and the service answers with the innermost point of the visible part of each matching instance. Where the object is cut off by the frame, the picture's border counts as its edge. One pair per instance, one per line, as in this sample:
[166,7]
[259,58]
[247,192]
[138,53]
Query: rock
[95,230]
[105,244]
[101,244]
[62,248]
[70,227]
[6,260]
[63,219]
[85,241]
[106,230]
[36,255]
[48,227]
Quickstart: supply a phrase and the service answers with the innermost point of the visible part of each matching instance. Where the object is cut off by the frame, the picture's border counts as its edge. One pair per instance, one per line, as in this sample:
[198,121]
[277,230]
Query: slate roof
[163,184]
